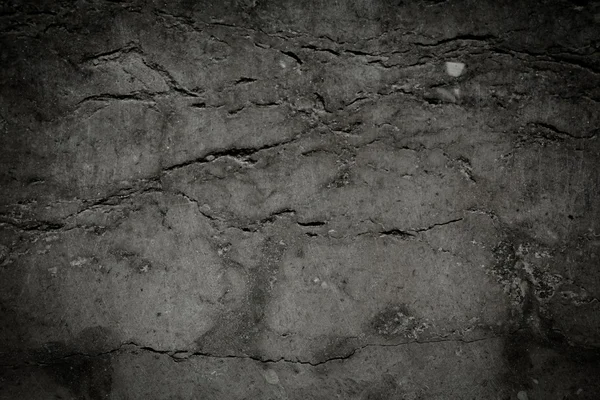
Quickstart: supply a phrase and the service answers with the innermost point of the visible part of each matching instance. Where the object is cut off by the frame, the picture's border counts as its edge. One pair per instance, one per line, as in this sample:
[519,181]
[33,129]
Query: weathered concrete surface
[299,200]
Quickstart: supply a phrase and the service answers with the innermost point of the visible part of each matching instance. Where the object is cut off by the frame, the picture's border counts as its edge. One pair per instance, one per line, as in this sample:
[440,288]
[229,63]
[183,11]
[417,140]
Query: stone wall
[260,199]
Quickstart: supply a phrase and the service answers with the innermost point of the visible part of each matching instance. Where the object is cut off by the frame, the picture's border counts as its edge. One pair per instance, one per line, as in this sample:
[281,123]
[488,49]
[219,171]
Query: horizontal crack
[473,38]
[135,96]
[398,233]
[183,355]
[312,223]
[406,233]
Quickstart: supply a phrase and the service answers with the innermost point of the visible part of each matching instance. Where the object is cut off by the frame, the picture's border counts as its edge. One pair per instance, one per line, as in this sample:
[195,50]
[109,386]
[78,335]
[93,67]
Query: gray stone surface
[299,200]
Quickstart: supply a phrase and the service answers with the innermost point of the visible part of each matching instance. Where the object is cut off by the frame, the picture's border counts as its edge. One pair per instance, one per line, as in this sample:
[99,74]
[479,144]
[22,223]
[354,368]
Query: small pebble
[271,377]
[3,253]
[522,395]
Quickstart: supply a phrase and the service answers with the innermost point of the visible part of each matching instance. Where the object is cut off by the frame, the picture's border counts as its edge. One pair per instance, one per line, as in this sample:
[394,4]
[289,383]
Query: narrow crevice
[397,233]
[200,105]
[112,54]
[244,80]
[240,153]
[321,49]
[452,221]
[180,355]
[459,38]
[561,133]
[312,223]
[274,215]
[360,53]
[292,55]
[136,96]
[171,81]
[33,226]
[321,101]
[195,202]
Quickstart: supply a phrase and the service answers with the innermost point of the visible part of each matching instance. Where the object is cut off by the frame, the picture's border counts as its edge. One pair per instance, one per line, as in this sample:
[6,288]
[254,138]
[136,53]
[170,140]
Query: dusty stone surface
[299,200]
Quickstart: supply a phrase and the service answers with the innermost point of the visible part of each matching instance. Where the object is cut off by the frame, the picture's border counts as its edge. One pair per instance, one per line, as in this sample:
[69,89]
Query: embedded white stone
[454,68]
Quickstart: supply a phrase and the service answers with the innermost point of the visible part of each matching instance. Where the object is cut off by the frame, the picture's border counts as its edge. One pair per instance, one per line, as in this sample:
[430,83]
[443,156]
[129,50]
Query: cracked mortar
[299,200]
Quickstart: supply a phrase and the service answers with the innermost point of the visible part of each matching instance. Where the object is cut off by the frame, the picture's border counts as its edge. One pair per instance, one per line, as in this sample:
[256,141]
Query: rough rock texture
[260,199]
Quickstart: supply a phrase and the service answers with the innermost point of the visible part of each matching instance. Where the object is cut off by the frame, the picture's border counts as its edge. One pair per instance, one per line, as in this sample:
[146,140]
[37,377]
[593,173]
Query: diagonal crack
[561,133]
[241,154]
[171,81]
[452,221]
[132,47]
[194,201]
